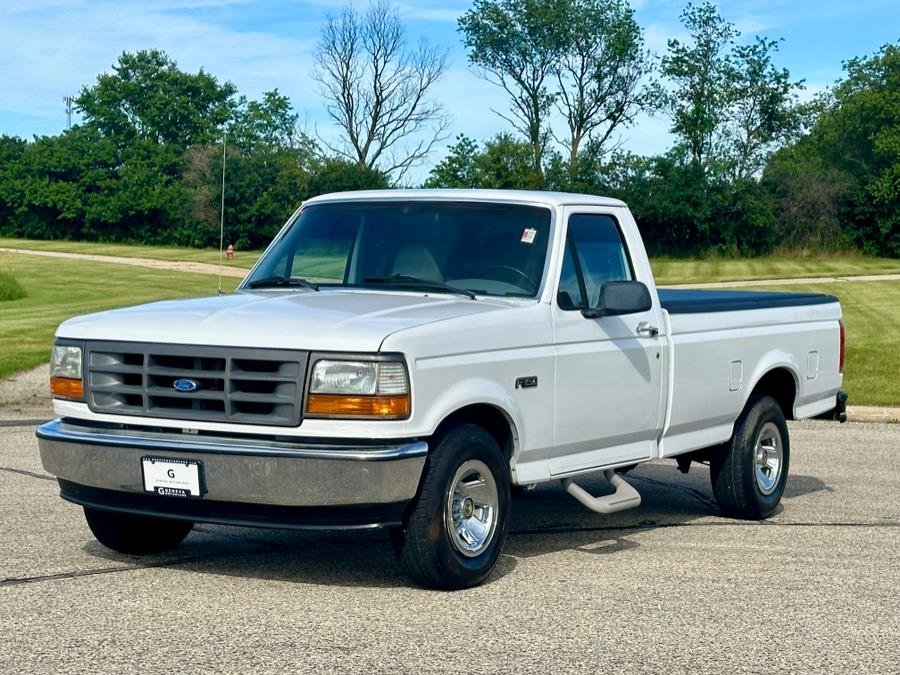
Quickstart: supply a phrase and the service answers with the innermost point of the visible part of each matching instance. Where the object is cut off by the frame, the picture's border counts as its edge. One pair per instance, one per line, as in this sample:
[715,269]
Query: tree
[262,190]
[130,177]
[148,97]
[378,91]
[731,106]
[334,174]
[517,44]
[861,135]
[504,163]
[148,112]
[703,75]
[52,180]
[855,146]
[268,125]
[11,150]
[807,195]
[80,185]
[764,113]
[458,169]
[137,196]
[599,73]
[680,210]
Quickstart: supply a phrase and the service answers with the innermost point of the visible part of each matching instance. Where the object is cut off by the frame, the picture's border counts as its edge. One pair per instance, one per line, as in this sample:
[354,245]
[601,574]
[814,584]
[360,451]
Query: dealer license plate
[171,477]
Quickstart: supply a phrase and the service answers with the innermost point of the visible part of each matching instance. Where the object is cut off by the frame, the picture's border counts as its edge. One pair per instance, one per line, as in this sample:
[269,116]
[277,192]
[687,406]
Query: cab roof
[520,196]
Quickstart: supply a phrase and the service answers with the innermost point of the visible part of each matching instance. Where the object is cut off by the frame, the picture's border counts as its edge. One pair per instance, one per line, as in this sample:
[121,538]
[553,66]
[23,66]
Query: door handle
[644,329]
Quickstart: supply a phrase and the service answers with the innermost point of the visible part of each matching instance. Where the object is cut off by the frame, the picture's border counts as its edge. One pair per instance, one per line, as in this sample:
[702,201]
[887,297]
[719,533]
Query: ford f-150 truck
[409,359]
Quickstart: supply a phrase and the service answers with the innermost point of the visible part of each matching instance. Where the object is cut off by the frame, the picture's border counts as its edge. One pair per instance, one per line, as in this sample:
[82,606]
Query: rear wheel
[133,534]
[456,528]
[750,472]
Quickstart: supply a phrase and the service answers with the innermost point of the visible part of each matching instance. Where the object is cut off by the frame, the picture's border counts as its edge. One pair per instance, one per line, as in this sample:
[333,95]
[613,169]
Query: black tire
[425,546]
[138,535]
[733,470]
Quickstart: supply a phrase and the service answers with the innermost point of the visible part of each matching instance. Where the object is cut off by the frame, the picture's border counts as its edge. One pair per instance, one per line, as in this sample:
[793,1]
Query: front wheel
[456,528]
[750,472]
[138,535]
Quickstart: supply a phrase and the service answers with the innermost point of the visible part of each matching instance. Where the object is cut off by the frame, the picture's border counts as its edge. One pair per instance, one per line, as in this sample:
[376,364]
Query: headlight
[65,373]
[376,389]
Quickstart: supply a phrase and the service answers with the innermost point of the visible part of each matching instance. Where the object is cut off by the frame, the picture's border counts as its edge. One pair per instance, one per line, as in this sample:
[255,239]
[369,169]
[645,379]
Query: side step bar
[625,497]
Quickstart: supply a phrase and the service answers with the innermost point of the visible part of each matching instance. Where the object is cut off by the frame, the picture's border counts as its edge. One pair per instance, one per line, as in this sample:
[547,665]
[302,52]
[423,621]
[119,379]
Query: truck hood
[330,320]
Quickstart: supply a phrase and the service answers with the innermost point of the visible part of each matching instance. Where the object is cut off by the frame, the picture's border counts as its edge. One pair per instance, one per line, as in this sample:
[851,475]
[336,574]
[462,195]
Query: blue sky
[52,48]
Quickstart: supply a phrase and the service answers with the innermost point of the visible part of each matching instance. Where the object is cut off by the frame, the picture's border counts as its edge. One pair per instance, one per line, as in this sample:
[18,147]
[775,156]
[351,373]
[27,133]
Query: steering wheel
[506,268]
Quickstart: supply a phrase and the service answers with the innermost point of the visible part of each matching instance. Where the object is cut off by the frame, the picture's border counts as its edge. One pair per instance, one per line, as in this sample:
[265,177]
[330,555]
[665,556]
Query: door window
[594,254]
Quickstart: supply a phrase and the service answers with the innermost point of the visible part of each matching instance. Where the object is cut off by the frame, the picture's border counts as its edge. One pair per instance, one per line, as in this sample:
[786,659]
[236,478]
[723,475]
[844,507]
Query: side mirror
[620,297]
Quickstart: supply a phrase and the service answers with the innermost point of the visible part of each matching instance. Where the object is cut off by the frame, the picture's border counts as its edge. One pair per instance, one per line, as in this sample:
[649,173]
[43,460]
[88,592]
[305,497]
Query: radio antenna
[222,214]
[69,101]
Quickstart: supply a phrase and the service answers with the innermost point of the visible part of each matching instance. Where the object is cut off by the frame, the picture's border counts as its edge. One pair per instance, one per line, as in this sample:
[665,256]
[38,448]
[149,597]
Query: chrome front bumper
[252,472]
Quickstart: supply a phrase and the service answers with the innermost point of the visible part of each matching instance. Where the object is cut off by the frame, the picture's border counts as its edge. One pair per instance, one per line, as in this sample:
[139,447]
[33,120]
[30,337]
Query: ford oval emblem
[185,384]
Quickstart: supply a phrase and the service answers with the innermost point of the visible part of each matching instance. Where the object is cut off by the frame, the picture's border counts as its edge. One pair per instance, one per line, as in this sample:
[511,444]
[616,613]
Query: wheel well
[780,385]
[490,418]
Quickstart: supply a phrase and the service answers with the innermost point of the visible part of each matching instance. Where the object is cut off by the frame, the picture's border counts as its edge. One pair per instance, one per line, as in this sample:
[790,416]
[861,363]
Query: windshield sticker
[528,235]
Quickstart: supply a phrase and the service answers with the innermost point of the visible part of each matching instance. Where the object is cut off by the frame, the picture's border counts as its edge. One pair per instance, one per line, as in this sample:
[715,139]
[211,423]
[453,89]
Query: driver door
[608,403]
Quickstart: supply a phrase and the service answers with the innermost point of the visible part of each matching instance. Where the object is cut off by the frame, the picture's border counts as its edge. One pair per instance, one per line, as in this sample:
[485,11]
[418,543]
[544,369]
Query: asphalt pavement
[670,587]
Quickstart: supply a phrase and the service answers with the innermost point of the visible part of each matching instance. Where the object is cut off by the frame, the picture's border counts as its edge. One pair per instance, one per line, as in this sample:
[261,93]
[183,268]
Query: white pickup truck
[407,359]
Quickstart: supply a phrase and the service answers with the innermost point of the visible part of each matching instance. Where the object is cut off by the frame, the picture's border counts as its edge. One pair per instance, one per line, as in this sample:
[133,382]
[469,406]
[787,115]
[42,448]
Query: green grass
[176,253]
[58,289]
[10,289]
[666,270]
[872,321]
[690,271]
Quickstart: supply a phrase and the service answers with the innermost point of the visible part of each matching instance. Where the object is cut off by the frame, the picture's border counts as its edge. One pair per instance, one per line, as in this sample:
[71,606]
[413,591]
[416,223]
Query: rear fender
[773,360]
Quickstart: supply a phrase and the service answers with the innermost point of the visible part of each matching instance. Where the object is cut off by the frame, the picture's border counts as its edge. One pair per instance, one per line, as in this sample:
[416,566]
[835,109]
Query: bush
[10,289]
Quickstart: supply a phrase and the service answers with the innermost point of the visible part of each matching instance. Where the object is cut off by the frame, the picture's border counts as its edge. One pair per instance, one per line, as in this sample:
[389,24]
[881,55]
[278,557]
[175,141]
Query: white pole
[222,213]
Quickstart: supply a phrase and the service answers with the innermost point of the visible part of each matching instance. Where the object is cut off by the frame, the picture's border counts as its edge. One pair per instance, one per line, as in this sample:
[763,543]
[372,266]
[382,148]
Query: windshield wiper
[410,281]
[269,282]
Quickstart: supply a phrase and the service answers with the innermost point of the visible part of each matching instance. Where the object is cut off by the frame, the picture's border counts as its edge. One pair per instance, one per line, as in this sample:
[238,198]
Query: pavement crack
[77,574]
[30,474]
[265,547]
[643,525]
[886,523]
[652,525]
[22,423]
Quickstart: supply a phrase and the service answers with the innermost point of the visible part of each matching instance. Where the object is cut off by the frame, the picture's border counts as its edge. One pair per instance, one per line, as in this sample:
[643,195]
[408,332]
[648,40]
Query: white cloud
[812,89]
[432,13]
[657,36]
[51,53]
[53,47]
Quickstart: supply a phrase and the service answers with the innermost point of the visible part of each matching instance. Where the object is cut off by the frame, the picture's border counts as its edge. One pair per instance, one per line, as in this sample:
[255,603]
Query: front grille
[244,386]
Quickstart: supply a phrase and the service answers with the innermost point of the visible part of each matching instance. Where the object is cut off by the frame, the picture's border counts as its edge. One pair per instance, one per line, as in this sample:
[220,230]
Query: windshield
[444,247]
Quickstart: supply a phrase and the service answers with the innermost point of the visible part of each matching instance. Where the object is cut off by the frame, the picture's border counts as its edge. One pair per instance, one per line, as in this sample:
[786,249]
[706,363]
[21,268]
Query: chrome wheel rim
[768,458]
[470,513]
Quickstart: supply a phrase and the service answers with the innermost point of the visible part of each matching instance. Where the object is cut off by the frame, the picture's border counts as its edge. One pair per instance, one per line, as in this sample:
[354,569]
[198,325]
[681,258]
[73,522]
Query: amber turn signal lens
[66,387]
[386,407]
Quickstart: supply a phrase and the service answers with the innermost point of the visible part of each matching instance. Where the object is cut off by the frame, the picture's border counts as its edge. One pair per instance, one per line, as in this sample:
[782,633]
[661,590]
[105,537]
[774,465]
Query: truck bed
[724,341]
[691,301]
